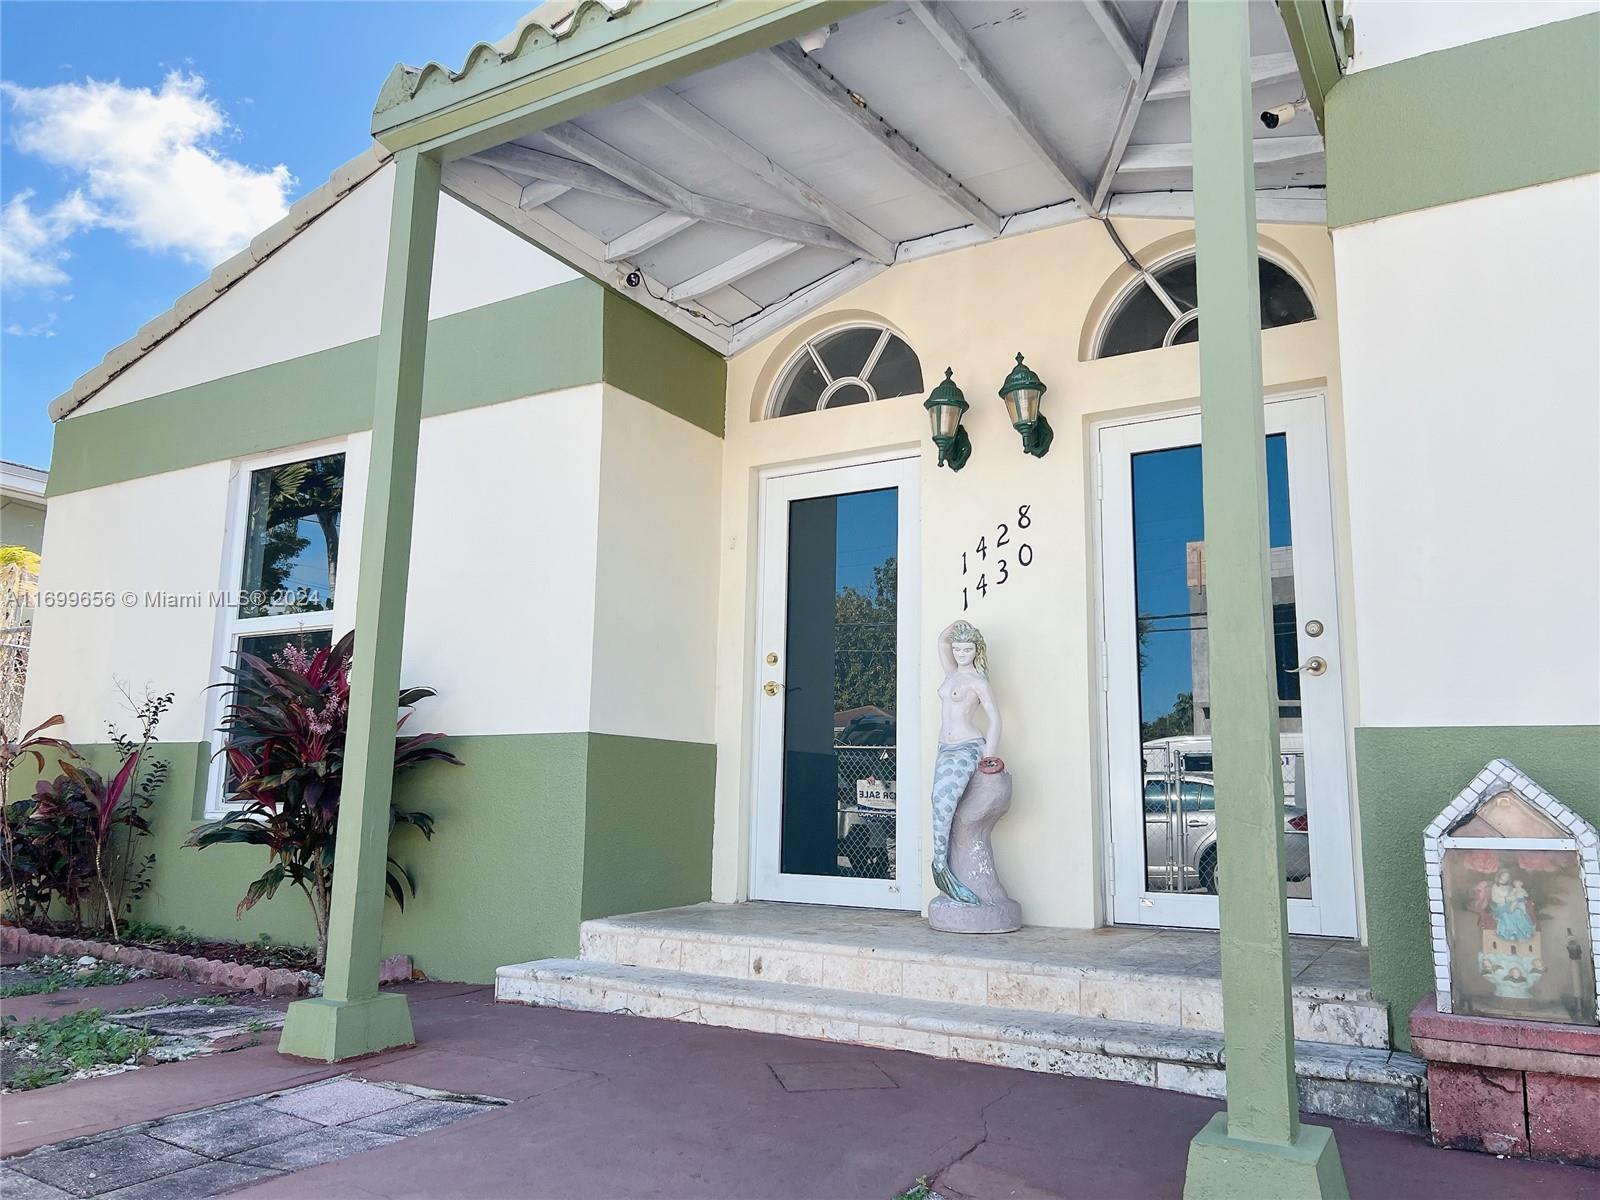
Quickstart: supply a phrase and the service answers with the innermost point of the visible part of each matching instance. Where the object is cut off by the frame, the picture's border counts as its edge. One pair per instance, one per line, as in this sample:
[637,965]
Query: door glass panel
[1179,791]
[839,748]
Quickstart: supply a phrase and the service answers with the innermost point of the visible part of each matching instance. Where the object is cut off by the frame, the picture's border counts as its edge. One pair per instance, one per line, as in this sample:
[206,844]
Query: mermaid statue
[962,745]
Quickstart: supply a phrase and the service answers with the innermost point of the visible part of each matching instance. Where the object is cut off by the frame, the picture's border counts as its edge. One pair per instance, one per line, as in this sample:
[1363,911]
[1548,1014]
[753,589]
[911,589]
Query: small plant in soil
[37,1053]
[43,976]
[284,738]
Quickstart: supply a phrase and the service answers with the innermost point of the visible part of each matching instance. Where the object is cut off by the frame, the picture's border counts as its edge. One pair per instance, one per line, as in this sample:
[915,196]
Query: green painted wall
[564,336]
[1473,120]
[647,842]
[658,362]
[1406,776]
[533,834]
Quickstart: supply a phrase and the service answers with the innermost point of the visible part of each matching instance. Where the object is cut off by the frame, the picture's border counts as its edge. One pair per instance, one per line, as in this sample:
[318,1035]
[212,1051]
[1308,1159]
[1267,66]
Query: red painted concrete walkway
[606,1107]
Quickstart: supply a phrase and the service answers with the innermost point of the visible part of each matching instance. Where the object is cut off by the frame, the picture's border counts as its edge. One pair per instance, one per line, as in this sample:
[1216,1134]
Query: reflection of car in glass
[1180,836]
[864,747]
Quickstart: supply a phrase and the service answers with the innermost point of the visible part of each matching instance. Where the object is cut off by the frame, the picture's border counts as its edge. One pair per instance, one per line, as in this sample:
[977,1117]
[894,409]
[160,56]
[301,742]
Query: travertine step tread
[1090,1035]
[1033,950]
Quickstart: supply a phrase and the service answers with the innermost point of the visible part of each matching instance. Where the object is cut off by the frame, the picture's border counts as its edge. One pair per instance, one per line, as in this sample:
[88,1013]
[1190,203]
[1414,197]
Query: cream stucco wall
[973,310]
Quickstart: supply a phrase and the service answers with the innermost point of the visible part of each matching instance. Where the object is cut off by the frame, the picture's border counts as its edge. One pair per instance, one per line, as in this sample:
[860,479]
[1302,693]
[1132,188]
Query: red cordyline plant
[284,733]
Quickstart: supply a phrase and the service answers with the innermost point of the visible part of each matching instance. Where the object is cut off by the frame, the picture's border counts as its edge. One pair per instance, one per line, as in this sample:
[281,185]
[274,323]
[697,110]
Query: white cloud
[145,162]
[44,328]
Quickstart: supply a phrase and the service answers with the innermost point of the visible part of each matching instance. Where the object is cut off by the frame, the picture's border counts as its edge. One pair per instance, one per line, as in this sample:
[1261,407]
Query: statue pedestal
[986,800]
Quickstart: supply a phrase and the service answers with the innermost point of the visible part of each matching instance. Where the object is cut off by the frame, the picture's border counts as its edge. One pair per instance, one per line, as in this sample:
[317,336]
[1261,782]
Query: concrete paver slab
[339,1101]
[102,1166]
[420,1116]
[14,1185]
[310,1149]
[218,1133]
[830,1076]
[212,1179]
[199,1020]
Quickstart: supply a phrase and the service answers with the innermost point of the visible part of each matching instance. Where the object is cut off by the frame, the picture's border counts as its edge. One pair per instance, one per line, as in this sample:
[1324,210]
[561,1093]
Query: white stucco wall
[500,607]
[1390,30]
[325,288]
[1472,407]
[159,534]
[655,607]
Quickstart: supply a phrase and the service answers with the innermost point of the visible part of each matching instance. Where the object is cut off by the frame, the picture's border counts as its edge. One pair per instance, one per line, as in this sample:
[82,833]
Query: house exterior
[683,549]
[22,506]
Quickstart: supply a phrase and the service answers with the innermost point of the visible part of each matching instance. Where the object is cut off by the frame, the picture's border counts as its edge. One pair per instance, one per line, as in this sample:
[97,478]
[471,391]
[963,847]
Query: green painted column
[352,1018]
[1257,1147]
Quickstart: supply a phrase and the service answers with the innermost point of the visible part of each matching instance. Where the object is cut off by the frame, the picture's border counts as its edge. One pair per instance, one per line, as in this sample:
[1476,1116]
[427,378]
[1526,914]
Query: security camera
[634,279]
[1281,114]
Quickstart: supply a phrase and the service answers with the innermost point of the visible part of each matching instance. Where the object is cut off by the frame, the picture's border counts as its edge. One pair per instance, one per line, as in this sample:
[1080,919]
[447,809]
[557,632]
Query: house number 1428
[1015,553]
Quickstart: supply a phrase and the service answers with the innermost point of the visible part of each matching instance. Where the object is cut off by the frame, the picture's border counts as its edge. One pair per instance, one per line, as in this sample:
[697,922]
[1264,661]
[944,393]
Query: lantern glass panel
[946,418]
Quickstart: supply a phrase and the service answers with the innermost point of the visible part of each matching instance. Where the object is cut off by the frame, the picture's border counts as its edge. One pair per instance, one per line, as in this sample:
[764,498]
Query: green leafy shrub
[284,738]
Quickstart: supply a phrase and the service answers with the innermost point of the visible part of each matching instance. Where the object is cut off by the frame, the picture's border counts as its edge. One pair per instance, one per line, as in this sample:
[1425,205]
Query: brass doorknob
[1315,665]
[770,687]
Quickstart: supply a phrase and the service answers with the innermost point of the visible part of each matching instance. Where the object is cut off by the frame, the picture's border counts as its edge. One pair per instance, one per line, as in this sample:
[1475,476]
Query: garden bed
[226,972]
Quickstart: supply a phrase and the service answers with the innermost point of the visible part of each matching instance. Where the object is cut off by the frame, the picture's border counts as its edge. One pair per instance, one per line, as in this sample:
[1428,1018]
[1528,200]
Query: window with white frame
[854,365]
[1168,314]
[283,567]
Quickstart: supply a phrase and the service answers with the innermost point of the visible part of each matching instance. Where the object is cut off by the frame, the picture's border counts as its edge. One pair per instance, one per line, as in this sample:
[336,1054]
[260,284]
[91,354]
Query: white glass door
[1167,863]
[837,782]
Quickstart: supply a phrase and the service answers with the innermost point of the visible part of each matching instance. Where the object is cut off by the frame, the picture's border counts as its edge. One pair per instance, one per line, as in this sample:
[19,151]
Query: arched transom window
[1143,320]
[854,365]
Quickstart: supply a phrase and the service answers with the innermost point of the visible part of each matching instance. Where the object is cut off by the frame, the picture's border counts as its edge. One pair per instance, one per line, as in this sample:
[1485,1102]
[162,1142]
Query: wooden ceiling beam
[816,82]
[1133,102]
[1129,53]
[675,197]
[1172,82]
[955,41]
[1179,156]
[688,119]
[732,270]
[552,168]
[641,237]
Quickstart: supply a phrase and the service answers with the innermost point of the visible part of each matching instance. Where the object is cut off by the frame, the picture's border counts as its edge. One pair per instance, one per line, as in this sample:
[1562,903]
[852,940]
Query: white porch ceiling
[748,194]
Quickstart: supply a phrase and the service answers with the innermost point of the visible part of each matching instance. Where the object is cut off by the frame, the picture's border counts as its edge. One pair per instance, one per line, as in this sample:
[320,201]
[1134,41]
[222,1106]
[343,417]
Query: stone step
[1376,1087]
[1044,971]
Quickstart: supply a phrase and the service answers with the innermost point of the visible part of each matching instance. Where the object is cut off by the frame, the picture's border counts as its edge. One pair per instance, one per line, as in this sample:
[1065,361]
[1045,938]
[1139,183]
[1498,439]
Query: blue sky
[145,142]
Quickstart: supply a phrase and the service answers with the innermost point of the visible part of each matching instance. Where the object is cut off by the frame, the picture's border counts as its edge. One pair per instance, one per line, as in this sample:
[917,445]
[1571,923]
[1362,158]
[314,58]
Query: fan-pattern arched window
[855,365]
[1141,320]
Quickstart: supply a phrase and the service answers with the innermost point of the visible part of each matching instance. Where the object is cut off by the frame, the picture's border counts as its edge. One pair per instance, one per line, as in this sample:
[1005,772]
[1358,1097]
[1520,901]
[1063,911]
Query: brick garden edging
[265,981]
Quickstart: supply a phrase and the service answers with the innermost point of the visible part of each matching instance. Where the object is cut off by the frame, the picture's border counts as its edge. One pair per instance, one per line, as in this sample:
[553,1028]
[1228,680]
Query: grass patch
[918,1191]
[38,1053]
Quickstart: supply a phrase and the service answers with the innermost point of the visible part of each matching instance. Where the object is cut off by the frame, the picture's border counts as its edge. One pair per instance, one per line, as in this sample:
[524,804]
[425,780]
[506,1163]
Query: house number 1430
[1015,553]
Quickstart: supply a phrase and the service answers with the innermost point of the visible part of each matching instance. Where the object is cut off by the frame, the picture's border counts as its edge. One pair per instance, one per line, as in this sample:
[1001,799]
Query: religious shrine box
[1511,1035]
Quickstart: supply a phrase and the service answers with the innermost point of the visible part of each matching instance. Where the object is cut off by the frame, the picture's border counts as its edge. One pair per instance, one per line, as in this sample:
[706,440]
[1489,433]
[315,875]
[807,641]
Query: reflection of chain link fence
[19,589]
[867,805]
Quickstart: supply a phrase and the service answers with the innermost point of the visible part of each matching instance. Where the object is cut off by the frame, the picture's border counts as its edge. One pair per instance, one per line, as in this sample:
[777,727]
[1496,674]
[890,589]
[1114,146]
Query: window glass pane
[1283,301]
[1169,554]
[1139,323]
[1179,281]
[291,549]
[271,647]
[802,389]
[849,393]
[897,373]
[845,353]
[840,751]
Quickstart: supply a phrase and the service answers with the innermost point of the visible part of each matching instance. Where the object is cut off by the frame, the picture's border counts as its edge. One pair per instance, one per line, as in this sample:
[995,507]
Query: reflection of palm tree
[314,489]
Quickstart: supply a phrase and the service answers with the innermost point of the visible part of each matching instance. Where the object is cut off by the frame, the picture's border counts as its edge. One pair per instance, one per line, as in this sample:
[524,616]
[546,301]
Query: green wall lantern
[945,405]
[1022,392]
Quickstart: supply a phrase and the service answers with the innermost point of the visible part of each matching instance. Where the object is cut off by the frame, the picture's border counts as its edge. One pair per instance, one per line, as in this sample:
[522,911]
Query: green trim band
[1311,39]
[1492,116]
[536,833]
[1405,777]
[565,336]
